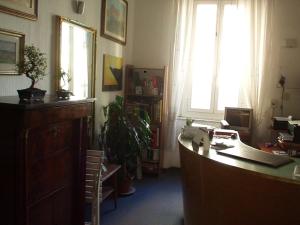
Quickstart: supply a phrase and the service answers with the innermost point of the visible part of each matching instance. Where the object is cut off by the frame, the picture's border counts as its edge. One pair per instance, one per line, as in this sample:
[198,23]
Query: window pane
[203,55]
[228,75]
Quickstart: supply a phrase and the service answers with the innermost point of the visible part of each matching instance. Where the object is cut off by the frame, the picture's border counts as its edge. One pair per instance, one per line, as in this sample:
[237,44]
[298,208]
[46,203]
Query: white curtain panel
[178,67]
[258,62]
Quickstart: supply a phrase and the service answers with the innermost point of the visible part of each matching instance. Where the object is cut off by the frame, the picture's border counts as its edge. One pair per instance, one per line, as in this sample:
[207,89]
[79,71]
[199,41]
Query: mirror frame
[60,20]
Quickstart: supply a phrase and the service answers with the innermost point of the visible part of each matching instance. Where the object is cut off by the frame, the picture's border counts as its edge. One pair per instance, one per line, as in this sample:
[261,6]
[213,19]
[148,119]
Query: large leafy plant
[126,133]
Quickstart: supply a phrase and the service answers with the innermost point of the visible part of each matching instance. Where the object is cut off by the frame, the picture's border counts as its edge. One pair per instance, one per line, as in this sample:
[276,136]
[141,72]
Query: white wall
[42,34]
[152,33]
[287,20]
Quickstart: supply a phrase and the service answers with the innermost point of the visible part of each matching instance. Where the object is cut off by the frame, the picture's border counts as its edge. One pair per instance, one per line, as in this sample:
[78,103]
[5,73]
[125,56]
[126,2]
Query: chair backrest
[92,176]
[93,188]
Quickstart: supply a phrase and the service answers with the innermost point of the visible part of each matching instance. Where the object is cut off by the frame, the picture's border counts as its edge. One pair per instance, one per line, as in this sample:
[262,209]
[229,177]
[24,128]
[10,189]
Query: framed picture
[114,20]
[23,8]
[11,51]
[112,73]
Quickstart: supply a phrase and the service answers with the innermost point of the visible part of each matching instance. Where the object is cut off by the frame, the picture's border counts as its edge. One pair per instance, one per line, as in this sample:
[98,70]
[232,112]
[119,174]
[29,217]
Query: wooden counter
[220,190]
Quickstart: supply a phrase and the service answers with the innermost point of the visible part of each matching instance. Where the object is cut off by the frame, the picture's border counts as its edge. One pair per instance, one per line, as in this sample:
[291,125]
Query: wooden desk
[219,190]
[109,182]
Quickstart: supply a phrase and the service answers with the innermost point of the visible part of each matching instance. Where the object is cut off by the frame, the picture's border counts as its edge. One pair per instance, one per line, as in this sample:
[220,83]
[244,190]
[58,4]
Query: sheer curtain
[258,61]
[178,71]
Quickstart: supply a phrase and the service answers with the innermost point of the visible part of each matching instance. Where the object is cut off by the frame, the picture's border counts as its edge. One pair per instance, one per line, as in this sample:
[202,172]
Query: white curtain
[258,61]
[178,66]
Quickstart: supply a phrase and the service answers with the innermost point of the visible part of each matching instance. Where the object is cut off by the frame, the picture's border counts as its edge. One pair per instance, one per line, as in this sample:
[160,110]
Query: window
[214,77]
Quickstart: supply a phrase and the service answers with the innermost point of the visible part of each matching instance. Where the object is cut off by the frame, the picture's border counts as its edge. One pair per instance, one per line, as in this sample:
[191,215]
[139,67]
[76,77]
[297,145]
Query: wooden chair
[93,188]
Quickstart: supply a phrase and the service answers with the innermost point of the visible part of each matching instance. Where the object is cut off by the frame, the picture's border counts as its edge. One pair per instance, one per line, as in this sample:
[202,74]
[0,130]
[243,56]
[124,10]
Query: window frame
[213,113]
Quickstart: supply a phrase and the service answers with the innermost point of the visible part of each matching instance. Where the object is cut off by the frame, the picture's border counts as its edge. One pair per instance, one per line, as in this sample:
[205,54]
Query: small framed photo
[11,51]
[112,73]
[22,8]
[114,20]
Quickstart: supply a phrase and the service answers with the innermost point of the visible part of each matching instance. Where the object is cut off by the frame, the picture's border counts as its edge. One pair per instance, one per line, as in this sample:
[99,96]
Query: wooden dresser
[42,158]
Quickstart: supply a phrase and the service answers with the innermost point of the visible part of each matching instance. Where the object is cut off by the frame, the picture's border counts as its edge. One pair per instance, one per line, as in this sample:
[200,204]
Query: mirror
[76,58]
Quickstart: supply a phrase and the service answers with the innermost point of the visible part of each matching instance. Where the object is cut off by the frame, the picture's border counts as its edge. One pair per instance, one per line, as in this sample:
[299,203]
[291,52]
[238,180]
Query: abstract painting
[112,73]
[114,20]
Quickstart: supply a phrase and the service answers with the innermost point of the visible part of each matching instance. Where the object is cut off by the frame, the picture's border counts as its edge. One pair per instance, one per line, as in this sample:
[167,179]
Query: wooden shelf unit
[146,88]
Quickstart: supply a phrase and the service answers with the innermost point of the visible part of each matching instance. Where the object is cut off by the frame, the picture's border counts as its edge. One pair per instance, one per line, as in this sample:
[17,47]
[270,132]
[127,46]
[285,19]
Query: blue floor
[157,201]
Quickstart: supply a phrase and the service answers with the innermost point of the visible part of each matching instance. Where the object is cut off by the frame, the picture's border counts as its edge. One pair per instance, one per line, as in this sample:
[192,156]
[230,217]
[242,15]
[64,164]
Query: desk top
[283,173]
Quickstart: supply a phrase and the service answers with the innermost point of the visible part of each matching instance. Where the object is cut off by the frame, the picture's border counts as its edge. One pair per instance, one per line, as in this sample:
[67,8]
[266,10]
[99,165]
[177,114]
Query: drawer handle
[54,131]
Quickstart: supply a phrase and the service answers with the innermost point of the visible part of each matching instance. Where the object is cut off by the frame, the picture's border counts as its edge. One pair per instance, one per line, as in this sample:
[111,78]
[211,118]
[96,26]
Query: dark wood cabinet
[42,158]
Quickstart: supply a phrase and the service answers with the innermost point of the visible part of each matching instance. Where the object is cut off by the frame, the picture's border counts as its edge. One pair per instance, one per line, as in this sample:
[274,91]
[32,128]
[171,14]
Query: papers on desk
[278,152]
[221,145]
[297,171]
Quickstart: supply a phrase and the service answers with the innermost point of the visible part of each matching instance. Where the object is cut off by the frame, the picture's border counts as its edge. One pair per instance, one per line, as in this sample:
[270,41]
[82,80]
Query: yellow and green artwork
[112,73]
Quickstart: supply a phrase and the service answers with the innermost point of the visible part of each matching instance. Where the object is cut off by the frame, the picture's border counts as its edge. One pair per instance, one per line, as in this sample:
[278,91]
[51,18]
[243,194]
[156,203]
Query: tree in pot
[64,79]
[125,134]
[33,66]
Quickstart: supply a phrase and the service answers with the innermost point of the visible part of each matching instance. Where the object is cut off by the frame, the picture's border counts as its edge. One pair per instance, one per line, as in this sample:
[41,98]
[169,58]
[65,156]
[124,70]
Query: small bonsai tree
[65,78]
[34,64]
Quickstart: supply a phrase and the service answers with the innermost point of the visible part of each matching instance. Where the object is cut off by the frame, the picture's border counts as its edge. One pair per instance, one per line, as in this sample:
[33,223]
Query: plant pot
[63,94]
[31,94]
[125,187]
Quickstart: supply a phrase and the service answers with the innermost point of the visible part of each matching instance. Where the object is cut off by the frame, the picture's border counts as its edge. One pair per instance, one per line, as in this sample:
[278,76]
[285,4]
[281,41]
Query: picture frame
[112,73]
[114,20]
[11,51]
[27,9]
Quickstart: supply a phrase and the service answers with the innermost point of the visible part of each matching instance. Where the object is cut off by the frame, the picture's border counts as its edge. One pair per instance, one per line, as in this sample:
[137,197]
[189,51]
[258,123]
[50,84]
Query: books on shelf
[157,112]
[151,155]
[155,156]
[155,138]
[154,109]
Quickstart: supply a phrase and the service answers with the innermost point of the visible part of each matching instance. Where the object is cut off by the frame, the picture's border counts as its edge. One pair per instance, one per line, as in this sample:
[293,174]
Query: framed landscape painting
[11,51]
[114,20]
[112,73]
[23,8]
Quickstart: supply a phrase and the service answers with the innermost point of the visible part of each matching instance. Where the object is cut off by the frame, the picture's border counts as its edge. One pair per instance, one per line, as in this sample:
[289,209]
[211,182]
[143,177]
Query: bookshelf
[145,88]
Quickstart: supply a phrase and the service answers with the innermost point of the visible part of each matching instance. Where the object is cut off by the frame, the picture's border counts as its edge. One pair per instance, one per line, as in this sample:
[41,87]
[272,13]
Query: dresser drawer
[46,141]
[49,175]
[53,210]
[49,160]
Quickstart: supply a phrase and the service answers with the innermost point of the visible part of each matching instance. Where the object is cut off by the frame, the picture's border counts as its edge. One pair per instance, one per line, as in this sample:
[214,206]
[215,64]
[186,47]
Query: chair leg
[115,181]
[95,212]
[115,199]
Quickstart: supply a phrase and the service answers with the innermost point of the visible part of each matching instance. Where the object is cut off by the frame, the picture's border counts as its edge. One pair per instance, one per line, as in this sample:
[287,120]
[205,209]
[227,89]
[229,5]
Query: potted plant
[126,133]
[33,66]
[64,79]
